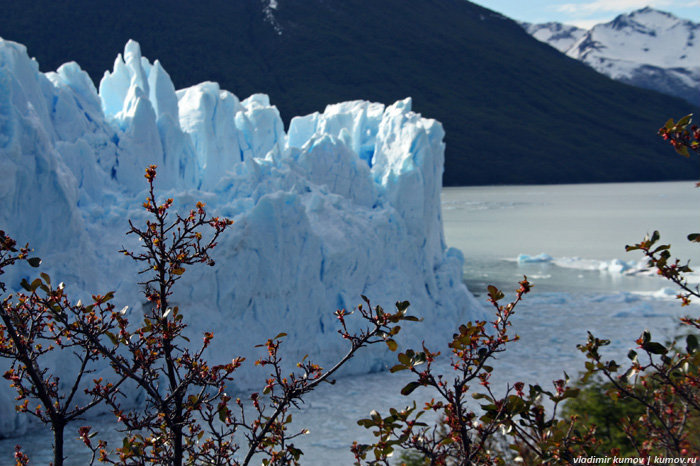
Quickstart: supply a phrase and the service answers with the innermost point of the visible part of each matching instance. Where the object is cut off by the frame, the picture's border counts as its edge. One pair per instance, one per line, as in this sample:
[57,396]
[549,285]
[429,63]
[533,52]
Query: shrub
[594,407]
[187,417]
[655,400]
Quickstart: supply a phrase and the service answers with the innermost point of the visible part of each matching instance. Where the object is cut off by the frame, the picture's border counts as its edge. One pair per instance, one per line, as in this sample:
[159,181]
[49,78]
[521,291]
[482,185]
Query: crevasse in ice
[345,203]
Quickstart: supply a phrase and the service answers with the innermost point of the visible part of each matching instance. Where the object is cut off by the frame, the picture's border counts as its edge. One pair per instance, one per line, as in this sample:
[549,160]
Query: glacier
[344,203]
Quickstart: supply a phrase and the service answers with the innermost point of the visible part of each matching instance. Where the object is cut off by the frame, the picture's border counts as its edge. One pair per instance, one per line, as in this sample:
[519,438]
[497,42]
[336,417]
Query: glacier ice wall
[345,203]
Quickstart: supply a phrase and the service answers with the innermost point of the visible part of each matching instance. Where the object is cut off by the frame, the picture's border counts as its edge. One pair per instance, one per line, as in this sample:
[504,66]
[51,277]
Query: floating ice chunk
[549,298]
[527,259]
[637,311]
[666,292]
[623,297]
[616,266]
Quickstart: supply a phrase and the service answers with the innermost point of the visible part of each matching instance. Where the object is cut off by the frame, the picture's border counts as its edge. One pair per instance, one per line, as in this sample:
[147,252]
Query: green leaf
[655,236]
[366,423]
[34,261]
[613,394]
[408,389]
[669,124]
[491,407]
[402,305]
[446,441]
[570,393]
[682,150]
[280,335]
[515,404]
[663,247]
[654,348]
[412,319]
[691,343]
[398,368]
[393,346]
[178,270]
[112,337]
[494,293]
[685,120]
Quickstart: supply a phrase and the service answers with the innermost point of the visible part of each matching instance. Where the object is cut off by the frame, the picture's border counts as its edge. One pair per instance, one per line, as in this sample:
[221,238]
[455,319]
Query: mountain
[560,36]
[514,110]
[646,48]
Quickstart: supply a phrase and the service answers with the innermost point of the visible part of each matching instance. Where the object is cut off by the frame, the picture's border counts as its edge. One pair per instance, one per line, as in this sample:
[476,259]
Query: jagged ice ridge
[345,203]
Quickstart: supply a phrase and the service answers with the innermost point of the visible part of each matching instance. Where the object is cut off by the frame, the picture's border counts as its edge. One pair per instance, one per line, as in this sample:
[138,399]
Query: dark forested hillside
[515,110]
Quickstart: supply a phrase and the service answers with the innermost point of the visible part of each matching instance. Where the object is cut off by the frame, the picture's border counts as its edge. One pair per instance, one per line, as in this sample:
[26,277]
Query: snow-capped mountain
[344,203]
[560,36]
[646,48]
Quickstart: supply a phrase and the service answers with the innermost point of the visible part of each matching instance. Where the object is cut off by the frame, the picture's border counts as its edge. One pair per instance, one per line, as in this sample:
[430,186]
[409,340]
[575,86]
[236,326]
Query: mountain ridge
[515,111]
[647,48]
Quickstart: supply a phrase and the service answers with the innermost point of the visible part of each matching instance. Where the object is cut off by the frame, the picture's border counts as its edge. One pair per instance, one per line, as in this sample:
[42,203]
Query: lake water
[588,282]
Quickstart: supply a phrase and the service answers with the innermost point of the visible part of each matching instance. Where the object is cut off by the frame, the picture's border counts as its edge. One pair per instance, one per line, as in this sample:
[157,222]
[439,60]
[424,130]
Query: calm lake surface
[586,281]
[592,222]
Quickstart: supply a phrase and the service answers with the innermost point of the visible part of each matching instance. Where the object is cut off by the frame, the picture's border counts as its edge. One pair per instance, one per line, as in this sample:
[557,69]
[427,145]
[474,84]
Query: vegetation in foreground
[648,408]
[187,417]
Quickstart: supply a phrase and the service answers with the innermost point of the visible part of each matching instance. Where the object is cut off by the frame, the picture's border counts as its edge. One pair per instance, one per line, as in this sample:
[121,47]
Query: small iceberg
[526,259]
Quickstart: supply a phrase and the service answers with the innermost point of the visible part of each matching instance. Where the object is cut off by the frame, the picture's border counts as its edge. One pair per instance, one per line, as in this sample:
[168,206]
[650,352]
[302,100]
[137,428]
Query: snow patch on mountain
[343,204]
[646,48]
[269,8]
[560,36]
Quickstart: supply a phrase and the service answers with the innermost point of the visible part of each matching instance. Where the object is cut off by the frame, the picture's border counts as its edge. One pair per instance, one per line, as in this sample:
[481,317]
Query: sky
[586,13]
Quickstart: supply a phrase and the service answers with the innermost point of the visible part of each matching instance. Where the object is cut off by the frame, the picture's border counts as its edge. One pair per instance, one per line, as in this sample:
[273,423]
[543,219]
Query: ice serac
[345,203]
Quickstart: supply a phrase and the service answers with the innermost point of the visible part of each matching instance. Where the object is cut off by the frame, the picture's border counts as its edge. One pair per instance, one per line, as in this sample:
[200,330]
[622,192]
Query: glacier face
[344,203]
